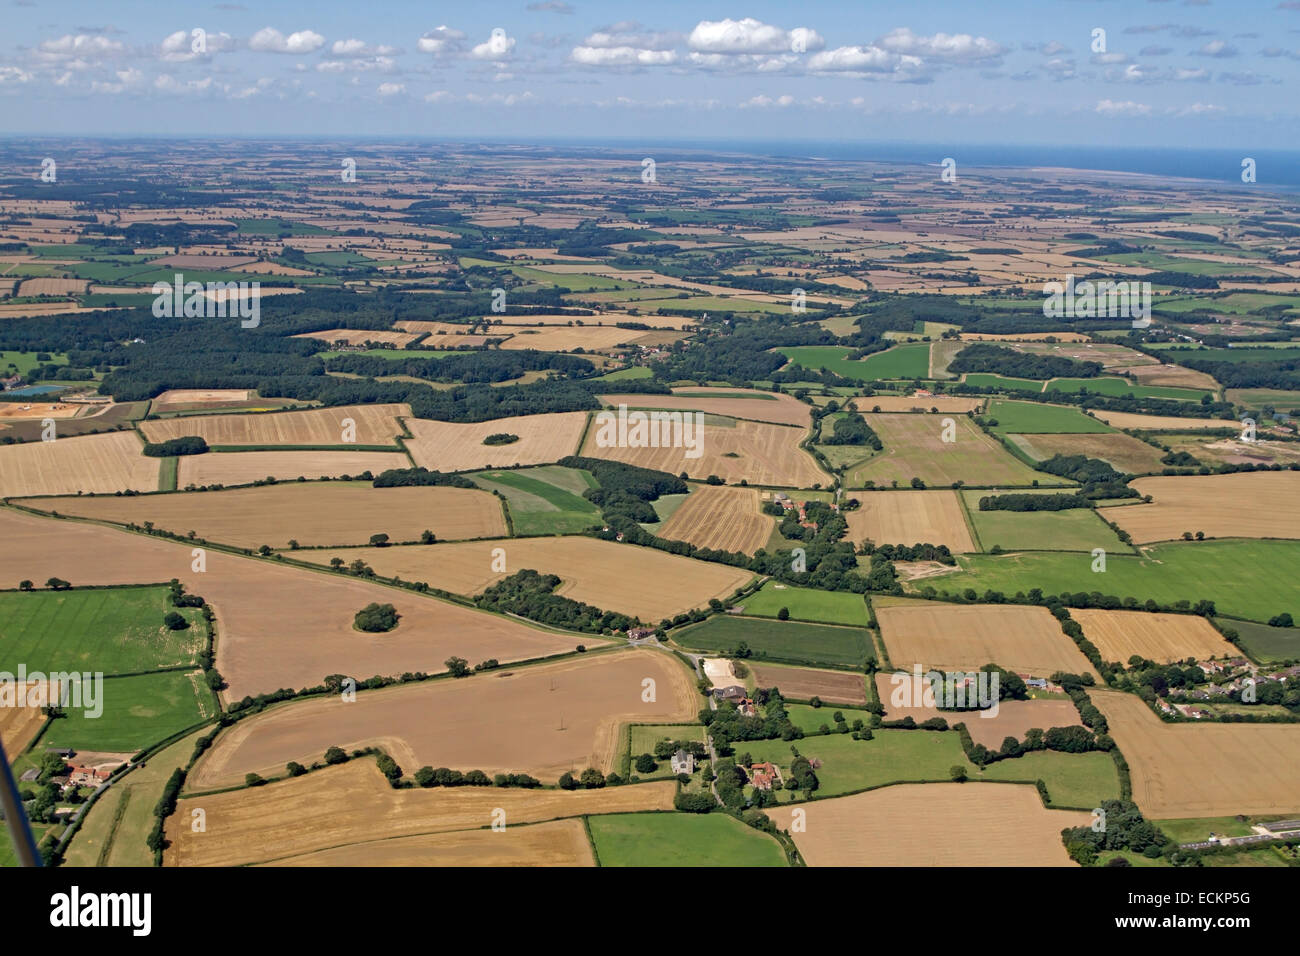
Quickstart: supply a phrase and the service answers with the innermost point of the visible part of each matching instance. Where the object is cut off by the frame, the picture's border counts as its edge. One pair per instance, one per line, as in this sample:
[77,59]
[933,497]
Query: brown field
[966,637]
[1174,376]
[1203,769]
[59,287]
[1160,422]
[542,720]
[19,725]
[1234,450]
[20,311]
[914,448]
[1123,452]
[214,263]
[261,647]
[396,340]
[779,409]
[910,517]
[316,514]
[563,338]
[720,517]
[375,425]
[1013,718]
[644,582]
[1163,638]
[1024,337]
[448,446]
[418,326]
[758,452]
[557,843]
[25,410]
[99,463]
[804,683]
[1244,505]
[947,404]
[244,467]
[934,824]
[353,803]
[200,396]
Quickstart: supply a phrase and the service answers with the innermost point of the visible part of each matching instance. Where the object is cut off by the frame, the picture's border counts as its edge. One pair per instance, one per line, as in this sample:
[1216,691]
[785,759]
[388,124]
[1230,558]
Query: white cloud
[767,102]
[391,89]
[1122,108]
[621,56]
[1218,49]
[951,48]
[497,47]
[359,48]
[270,40]
[440,41]
[81,44]
[750,36]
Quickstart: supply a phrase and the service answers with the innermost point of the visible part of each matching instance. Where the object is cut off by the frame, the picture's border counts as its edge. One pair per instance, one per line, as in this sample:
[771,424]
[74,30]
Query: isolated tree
[378,540]
[335,755]
[24,585]
[175,622]
[958,773]
[645,764]
[783,614]
[376,618]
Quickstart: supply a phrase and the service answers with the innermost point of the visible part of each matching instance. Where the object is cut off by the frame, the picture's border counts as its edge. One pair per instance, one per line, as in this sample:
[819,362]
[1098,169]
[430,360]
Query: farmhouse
[79,776]
[764,775]
[734,693]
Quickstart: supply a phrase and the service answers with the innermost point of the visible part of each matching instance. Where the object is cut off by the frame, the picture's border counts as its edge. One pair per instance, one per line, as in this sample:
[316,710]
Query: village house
[764,775]
[747,708]
[682,762]
[734,693]
[88,776]
[640,633]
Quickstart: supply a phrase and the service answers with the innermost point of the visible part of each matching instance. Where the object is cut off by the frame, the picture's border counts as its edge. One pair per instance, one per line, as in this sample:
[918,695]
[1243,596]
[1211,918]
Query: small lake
[34,390]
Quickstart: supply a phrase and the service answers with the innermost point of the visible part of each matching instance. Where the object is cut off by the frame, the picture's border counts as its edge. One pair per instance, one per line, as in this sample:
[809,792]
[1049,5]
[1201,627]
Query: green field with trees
[797,642]
[681,839]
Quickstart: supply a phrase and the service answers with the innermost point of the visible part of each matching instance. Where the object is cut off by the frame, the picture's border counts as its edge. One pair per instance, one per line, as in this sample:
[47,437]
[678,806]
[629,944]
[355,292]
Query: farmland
[1202,770]
[914,448]
[901,361]
[956,637]
[545,500]
[1122,452]
[246,467]
[1036,418]
[804,683]
[556,843]
[1163,638]
[791,641]
[719,517]
[370,425]
[911,517]
[137,711]
[896,826]
[65,466]
[1075,529]
[1222,506]
[313,514]
[542,720]
[679,839]
[447,446]
[805,604]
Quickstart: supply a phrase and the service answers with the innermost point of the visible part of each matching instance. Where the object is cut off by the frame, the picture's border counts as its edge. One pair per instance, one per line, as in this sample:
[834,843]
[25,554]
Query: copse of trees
[186,445]
[407,477]
[1022,502]
[530,594]
[1000,360]
[376,618]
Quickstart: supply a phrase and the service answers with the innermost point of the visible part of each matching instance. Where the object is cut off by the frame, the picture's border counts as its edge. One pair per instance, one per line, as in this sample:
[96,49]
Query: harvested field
[348,804]
[260,648]
[200,396]
[914,448]
[1203,769]
[316,514]
[19,725]
[911,517]
[805,683]
[15,410]
[1163,638]
[1123,452]
[945,404]
[744,403]
[563,338]
[375,425]
[557,843]
[905,695]
[1023,337]
[720,517]
[418,327]
[644,582]
[1211,450]
[1243,505]
[1174,376]
[59,287]
[91,463]
[245,467]
[542,720]
[448,446]
[396,340]
[758,452]
[966,637]
[1160,422]
[934,824]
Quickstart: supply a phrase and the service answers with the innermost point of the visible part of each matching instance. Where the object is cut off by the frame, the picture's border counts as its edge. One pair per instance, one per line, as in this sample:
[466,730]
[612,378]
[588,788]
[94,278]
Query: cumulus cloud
[81,44]
[767,102]
[952,48]
[352,47]
[271,40]
[440,41]
[1218,49]
[621,56]
[1122,108]
[179,47]
[750,36]
[497,47]
[391,89]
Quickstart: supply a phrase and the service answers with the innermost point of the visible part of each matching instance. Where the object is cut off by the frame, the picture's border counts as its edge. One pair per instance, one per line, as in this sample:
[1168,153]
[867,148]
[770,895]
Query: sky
[1109,73]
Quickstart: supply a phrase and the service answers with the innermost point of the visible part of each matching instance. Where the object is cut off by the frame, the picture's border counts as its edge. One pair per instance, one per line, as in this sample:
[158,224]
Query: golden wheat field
[92,463]
[951,404]
[911,517]
[1161,422]
[966,637]
[389,339]
[352,803]
[804,683]
[933,824]
[245,467]
[722,517]
[543,720]
[563,338]
[364,424]
[756,452]
[644,582]
[779,409]
[315,514]
[450,446]
[1244,505]
[1163,638]
[1203,769]
[556,843]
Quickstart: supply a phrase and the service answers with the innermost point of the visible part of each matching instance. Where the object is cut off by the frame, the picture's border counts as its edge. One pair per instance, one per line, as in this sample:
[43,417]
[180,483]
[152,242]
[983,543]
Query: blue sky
[1173,72]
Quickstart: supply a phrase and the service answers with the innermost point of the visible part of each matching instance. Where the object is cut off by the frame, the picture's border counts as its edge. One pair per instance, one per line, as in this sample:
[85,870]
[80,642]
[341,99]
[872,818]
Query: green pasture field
[913,449]
[1284,352]
[1073,780]
[635,371]
[808,604]
[642,738]
[137,712]
[1119,386]
[108,630]
[546,500]
[1196,267]
[1236,303]
[1266,643]
[1240,576]
[274,227]
[990,380]
[573,281]
[901,361]
[714,303]
[1281,399]
[392,354]
[24,362]
[1031,418]
[681,840]
[116,300]
[1076,529]
[793,641]
[809,719]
